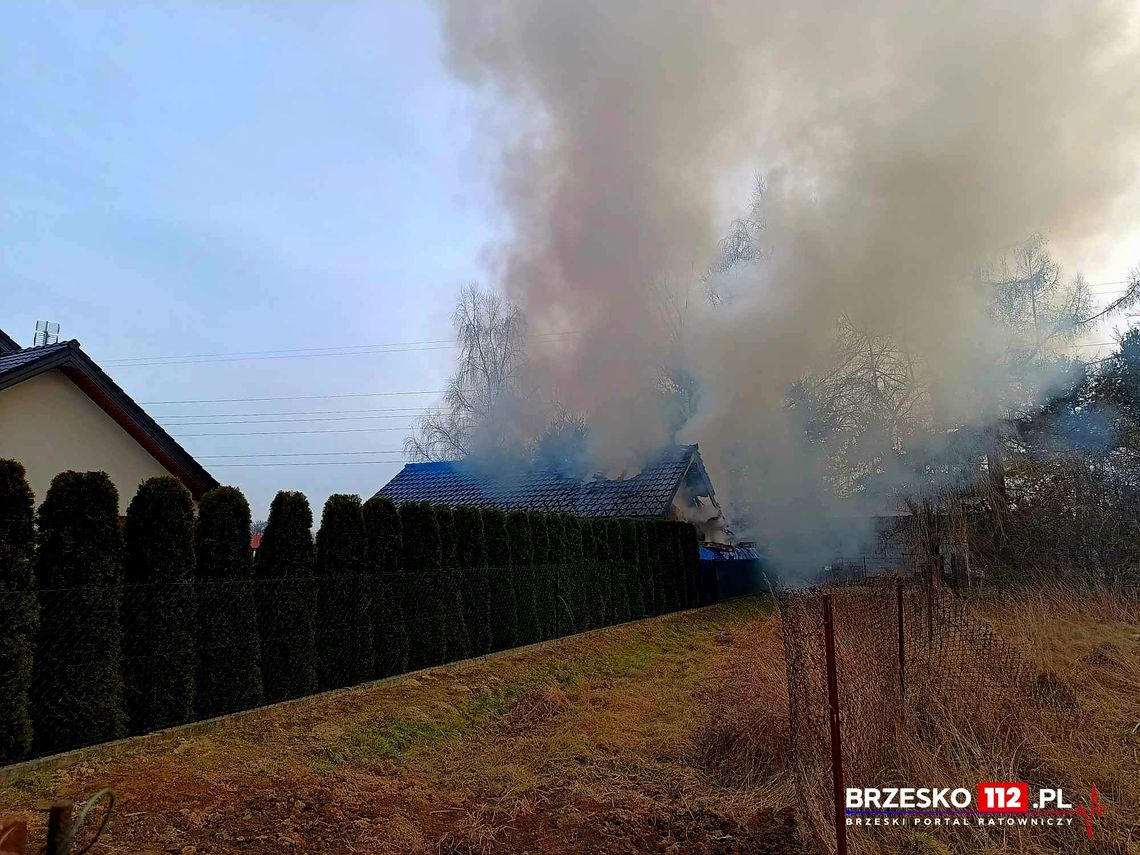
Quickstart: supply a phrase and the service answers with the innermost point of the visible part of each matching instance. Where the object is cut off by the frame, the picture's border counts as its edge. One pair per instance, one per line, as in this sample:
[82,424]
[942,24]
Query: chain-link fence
[862,659]
[116,660]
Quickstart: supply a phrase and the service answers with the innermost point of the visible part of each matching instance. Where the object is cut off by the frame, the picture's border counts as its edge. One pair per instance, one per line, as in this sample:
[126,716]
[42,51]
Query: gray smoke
[901,143]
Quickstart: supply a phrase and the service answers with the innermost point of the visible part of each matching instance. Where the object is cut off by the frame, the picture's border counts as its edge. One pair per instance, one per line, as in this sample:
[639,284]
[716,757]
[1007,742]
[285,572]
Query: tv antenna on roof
[46,333]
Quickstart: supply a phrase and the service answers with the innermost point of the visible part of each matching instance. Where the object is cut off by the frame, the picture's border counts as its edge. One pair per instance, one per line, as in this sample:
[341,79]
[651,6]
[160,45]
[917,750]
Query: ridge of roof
[82,370]
[8,344]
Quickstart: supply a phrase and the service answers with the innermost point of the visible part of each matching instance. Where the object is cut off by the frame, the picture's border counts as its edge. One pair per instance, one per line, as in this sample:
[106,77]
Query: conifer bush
[19,610]
[77,683]
[504,608]
[450,593]
[691,557]
[423,559]
[619,582]
[286,612]
[523,575]
[577,567]
[631,561]
[229,649]
[543,573]
[663,532]
[471,550]
[384,560]
[159,617]
[559,561]
[648,554]
[343,628]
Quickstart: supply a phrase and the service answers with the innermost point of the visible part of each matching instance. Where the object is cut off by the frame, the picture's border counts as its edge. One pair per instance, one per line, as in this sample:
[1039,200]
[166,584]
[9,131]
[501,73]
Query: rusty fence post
[836,739]
[59,821]
[902,643]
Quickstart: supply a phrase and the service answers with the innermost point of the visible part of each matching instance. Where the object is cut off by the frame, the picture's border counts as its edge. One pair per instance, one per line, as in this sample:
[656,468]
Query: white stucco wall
[50,425]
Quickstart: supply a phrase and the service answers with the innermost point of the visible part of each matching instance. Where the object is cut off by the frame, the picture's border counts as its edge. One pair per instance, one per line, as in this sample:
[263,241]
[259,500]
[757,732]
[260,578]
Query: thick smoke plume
[901,145]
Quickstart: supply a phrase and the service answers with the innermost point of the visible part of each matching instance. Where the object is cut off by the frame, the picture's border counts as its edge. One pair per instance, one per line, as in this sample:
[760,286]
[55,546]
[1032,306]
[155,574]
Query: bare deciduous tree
[475,415]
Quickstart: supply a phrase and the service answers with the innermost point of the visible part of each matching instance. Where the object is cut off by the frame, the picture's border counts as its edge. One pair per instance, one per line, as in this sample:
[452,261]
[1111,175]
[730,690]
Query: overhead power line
[296,432]
[310,463]
[286,421]
[296,397]
[297,454]
[413,410]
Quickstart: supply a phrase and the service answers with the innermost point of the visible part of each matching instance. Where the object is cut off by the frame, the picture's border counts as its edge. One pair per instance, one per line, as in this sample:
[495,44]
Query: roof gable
[648,493]
[7,343]
[81,370]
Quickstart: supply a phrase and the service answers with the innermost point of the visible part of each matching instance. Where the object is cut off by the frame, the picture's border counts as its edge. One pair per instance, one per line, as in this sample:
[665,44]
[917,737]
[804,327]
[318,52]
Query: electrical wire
[297,397]
[297,432]
[297,454]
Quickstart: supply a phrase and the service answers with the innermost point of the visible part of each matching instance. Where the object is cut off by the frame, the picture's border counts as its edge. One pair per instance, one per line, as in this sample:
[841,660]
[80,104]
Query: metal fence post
[59,820]
[836,739]
[902,644]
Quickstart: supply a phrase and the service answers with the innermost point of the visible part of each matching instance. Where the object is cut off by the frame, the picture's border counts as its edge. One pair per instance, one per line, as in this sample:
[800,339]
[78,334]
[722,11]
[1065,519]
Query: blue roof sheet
[648,493]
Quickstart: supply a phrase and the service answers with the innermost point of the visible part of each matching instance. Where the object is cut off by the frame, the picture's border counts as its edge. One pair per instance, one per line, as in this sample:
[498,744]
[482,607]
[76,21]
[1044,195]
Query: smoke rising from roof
[900,144]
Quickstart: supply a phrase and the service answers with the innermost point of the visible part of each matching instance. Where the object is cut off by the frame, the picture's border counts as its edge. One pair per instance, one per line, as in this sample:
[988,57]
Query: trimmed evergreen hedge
[574,576]
[504,608]
[77,683]
[543,572]
[159,624]
[19,610]
[471,550]
[384,559]
[691,557]
[229,648]
[647,554]
[523,575]
[458,644]
[423,557]
[285,564]
[635,590]
[343,621]
[559,557]
[619,590]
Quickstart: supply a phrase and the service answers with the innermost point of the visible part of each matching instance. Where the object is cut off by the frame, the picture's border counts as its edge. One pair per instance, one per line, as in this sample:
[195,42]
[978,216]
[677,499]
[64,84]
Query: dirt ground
[587,745]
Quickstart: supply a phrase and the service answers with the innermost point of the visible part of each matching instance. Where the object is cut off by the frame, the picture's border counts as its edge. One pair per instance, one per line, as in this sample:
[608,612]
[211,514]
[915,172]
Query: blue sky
[207,178]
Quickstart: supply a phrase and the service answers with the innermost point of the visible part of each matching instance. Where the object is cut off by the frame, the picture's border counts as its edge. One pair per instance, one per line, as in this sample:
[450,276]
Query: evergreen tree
[631,561]
[229,649]
[544,578]
[159,617]
[345,653]
[619,582]
[648,554]
[77,683]
[451,595]
[577,571]
[691,553]
[557,553]
[471,550]
[286,612]
[19,611]
[384,557]
[423,609]
[589,594]
[504,608]
[665,568]
[522,571]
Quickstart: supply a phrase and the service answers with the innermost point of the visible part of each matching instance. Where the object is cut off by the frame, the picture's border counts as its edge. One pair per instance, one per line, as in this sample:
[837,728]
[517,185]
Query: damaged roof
[648,494]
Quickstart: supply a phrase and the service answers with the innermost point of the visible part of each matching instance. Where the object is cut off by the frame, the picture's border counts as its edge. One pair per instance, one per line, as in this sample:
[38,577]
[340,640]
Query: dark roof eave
[81,370]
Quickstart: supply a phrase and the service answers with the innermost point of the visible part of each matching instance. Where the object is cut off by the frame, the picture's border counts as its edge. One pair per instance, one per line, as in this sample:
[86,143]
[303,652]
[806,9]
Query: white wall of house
[50,425]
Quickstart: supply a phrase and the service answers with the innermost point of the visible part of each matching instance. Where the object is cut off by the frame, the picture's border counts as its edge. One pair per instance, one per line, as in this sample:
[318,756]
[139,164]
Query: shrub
[543,575]
[557,555]
[615,562]
[19,610]
[159,621]
[229,650]
[77,683]
[285,564]
[601,604]
[631,561]
[423,558]
[576,572]
[345,653]
[668,562]
[471,552]
[383,557]
[504,609]
[648,555]
[522,572]
[691,560]
[450,594]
